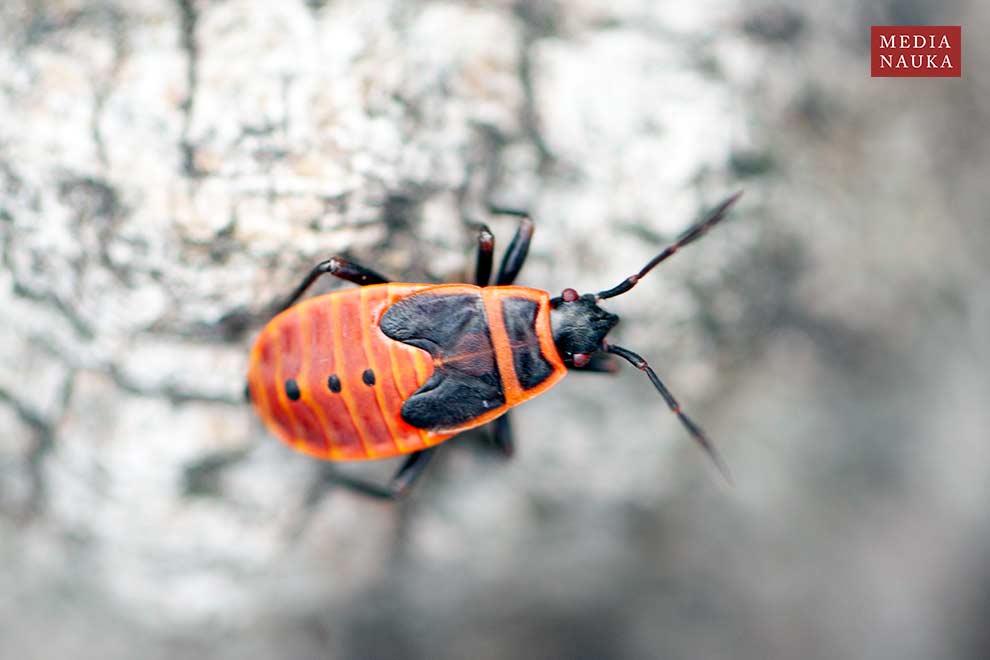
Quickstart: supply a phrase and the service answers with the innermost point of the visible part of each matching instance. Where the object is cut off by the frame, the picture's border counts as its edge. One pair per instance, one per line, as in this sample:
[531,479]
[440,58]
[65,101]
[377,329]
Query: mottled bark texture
[168,169]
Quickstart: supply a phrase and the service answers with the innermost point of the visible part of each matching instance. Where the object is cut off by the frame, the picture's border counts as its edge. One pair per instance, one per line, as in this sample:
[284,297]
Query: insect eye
[569,295]
[581,359]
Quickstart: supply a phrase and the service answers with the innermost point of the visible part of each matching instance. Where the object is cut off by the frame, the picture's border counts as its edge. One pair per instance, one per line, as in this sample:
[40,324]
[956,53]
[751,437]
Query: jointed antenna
[688,236]
[695,430]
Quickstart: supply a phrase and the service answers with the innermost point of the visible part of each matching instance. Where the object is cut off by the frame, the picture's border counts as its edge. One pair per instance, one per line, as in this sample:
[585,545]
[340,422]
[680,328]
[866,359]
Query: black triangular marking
[454,330]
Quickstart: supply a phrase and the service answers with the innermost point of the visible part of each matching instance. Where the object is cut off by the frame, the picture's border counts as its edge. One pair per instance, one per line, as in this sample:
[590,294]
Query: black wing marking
[454,330]
[528,360]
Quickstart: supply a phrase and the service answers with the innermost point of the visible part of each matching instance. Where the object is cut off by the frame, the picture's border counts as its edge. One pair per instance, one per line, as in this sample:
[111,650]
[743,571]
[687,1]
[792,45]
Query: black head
[579,325]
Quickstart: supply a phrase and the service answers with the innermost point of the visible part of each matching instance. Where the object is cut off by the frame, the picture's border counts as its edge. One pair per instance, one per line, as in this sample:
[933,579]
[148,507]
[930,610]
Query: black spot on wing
[531,366]
[292,389]
[454,330]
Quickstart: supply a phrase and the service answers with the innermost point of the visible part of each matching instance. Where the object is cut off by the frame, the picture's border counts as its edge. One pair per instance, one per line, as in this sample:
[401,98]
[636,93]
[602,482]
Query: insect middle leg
[486,250]
[502,436]
[407,474]
[512,262]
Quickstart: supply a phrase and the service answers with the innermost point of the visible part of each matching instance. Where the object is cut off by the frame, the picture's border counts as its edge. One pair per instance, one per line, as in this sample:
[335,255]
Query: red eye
[569,295]
[581,359]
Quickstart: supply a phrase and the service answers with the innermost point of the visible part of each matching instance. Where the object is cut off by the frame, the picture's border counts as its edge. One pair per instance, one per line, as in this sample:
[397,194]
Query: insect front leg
[515,255]
[486,250]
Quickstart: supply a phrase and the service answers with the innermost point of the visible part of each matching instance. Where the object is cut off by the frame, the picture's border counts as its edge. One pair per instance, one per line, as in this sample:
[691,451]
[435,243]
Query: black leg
[338,267]
[502,436]
[486,249]
[515,256]
[692,428]
[399,485]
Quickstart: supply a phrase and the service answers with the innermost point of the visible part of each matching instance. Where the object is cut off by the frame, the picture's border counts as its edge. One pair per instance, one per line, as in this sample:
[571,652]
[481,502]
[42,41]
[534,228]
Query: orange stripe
[291,356]
[405,377]
[421,366]
[338,358]
[541,324]
[368,313]
[307,385]
[354,363]
[295,436]
[503,349]
[545,334]
[280,422]
[344,441]
[403,369]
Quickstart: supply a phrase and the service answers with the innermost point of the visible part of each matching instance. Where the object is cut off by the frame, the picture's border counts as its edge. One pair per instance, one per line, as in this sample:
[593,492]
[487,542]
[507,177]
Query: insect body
[396,368]
[391,369]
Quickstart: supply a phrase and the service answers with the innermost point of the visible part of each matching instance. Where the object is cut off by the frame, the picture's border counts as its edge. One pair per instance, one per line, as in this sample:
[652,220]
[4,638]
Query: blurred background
[167,169]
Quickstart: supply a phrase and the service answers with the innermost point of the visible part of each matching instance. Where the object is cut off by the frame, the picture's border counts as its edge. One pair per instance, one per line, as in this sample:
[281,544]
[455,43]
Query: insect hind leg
[338,267]
[503,437]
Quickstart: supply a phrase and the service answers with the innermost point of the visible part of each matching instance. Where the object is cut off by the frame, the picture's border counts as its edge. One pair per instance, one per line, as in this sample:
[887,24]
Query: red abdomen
[326,380]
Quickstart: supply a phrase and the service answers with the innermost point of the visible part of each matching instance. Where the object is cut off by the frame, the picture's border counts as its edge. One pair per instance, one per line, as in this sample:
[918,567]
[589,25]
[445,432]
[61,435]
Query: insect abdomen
[327,382]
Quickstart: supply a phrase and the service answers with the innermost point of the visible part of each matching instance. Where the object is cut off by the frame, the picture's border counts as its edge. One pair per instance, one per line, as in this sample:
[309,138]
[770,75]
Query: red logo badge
[916,51]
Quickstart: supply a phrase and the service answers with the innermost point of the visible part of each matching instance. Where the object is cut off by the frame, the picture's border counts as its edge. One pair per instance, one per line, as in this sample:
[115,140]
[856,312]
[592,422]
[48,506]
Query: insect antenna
[692,234]
[695,430]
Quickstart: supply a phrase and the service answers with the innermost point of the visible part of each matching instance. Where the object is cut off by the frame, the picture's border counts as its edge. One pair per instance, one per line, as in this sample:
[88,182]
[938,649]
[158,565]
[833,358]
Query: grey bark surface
[168,169]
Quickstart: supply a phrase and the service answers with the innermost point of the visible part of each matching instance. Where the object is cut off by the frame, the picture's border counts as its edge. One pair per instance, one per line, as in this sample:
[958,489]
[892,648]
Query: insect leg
[410,471]
[515,256]
[512,263]
[404,478]
[502,436]
[486,248]
[338,267]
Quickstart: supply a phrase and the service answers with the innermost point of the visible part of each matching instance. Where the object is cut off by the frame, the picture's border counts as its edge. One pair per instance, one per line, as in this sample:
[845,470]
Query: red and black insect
[396,368]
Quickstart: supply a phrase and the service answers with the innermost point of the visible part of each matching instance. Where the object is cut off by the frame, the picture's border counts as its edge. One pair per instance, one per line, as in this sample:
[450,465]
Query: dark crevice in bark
[537,20]
[201,478]
[44,431]
[189,20]
[115,20]
[175,394]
